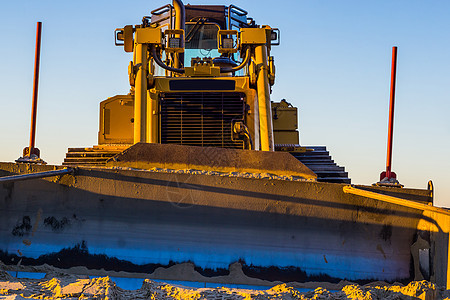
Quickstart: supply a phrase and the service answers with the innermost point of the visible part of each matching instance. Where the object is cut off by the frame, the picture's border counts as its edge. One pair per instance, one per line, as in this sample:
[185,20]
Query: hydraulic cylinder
[264,105]
[140,95]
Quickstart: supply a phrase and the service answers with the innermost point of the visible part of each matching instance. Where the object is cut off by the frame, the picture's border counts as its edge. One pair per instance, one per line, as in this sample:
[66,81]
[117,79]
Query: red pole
[390,174]
[35,88]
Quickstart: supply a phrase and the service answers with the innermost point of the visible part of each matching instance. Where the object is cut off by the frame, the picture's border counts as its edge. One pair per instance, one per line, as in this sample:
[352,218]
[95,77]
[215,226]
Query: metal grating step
[94,156]
[328,174]
[318,162]
[326,168]
[313,153]
[91,154]
[335,180]
[321,163]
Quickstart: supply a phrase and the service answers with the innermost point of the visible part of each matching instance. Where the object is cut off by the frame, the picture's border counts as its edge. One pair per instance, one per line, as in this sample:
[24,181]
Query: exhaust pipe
[180,14]
[180,21]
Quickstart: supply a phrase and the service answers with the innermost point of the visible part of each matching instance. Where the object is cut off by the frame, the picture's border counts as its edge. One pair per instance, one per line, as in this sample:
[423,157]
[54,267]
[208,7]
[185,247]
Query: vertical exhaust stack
[180,23]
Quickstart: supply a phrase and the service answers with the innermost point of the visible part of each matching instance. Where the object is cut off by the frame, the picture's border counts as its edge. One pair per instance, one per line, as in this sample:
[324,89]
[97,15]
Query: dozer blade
[147,223]
[178,157]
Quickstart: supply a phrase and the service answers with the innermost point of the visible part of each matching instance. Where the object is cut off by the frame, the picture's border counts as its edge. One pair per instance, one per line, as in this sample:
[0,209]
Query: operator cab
[202,24]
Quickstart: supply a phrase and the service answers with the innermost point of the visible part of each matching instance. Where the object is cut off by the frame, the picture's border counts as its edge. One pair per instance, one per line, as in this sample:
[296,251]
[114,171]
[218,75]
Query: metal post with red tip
[388,177]
[31,154]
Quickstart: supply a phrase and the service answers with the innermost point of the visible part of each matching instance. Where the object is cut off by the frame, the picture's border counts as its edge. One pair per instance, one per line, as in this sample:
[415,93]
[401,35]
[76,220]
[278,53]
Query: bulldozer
[205,82]
[197,169]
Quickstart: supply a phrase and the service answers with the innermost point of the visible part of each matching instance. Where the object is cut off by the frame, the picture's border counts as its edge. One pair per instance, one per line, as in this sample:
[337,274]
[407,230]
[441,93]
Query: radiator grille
[201,118]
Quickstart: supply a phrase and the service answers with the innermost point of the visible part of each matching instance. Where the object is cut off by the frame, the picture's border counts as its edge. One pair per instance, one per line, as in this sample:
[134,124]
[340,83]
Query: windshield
[200,41]
[201,36]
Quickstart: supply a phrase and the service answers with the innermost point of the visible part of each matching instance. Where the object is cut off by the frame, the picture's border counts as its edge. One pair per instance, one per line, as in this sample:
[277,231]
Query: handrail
[13,178]
[238,9]
[159,11]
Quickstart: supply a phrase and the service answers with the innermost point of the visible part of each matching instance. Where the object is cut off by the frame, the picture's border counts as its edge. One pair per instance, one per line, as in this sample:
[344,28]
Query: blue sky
[333,64]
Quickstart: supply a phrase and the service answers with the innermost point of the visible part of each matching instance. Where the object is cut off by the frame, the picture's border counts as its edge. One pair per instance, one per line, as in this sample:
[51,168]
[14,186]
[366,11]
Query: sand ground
[57,285]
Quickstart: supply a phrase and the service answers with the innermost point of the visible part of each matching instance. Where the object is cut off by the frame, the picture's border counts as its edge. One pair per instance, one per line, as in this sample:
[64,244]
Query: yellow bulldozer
[201,76]
[197,167]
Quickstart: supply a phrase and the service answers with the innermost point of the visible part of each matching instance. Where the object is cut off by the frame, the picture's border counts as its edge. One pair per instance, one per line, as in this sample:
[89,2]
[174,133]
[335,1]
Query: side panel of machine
[284,117]
[116,120]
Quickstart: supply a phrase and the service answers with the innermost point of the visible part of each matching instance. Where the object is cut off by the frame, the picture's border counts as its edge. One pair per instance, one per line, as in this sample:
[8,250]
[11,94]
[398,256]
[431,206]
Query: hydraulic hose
[249,138]
[160,63]
[180,23]
[237,68]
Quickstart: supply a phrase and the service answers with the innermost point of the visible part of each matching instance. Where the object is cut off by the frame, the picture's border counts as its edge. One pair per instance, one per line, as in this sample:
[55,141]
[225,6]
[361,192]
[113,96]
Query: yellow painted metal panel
[148,35]
[116,124]
[128,38]
[286,137]
[202,71]
[284,118]
[253,36]
[162,83]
